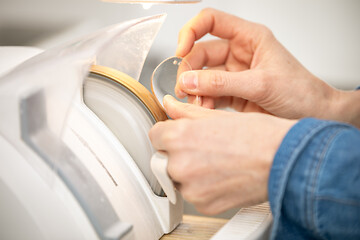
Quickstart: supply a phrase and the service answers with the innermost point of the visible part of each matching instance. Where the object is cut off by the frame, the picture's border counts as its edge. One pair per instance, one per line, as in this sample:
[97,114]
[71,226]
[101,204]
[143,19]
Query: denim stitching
[309,181]
[315,179]
[341,201]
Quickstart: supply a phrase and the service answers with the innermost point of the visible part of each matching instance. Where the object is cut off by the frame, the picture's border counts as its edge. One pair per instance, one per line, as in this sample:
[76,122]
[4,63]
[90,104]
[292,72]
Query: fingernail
[198,101]
[190,79]
[179,49]
[181,94]
[167,97]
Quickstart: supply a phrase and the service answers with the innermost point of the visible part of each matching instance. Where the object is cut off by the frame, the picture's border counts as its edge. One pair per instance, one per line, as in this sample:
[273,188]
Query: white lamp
[153,1]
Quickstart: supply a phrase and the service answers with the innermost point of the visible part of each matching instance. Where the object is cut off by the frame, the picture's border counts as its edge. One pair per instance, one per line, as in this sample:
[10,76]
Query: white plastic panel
[127,117]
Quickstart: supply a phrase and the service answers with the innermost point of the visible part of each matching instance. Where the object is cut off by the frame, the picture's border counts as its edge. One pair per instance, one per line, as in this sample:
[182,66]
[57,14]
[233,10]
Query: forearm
[314,182]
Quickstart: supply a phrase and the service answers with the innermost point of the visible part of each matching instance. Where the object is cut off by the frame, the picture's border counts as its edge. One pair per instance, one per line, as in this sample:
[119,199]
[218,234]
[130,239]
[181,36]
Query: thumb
[176,109]
[247,84]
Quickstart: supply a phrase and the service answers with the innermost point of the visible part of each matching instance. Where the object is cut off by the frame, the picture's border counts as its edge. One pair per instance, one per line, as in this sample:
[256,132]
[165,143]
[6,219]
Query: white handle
[158,163]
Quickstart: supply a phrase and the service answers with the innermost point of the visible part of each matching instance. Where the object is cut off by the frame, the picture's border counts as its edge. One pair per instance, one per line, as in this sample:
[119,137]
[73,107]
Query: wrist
[281,128]
[347,107]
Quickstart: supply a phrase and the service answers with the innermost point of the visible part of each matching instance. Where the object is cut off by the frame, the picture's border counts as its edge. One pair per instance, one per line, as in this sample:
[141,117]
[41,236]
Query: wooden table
[195,227]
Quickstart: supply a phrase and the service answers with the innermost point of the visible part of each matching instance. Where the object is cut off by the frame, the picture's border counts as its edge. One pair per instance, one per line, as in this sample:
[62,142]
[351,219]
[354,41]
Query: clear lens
[164,77]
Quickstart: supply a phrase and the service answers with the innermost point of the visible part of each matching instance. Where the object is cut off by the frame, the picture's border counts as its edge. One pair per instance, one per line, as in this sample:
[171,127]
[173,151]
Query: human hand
[219,159]
[249,70]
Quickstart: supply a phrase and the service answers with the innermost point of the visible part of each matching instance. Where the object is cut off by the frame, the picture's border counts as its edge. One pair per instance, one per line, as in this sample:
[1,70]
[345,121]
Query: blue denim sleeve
[314,184]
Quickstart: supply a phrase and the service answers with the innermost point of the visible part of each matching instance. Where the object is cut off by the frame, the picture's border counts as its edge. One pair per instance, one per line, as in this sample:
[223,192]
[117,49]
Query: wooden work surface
[195,227]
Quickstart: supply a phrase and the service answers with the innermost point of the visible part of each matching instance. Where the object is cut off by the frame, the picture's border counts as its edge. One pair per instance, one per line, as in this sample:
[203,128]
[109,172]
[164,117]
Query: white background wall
[323,34]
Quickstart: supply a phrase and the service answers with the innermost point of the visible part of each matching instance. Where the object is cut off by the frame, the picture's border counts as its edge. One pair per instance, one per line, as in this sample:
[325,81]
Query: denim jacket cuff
[291,147]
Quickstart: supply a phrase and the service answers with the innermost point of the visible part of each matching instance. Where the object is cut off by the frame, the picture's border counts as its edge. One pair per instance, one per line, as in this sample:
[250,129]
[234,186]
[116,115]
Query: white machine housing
[63,173]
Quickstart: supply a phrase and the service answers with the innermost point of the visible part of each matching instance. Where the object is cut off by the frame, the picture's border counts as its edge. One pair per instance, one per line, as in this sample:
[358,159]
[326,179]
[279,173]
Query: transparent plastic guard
[37,95]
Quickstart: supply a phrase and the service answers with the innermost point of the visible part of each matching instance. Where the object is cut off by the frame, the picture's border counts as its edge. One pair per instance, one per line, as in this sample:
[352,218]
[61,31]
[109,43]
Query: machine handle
[158,163]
